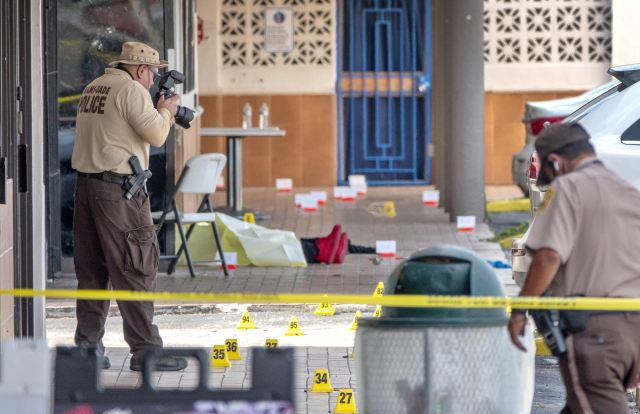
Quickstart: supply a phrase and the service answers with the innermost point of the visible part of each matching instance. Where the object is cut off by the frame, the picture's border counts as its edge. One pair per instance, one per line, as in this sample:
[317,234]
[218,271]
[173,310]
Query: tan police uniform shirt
[591,218]
[116,120]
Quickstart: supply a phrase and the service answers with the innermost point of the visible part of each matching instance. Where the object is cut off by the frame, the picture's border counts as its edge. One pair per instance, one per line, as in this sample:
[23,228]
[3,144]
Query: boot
[343,247]
[327,246]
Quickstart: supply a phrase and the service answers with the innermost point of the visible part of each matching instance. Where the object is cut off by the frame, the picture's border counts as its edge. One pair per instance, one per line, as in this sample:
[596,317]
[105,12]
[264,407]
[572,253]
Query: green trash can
[442,360]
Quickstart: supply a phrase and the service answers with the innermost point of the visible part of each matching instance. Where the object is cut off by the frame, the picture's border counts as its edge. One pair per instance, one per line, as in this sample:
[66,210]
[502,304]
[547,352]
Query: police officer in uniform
[586,239]
[115,241]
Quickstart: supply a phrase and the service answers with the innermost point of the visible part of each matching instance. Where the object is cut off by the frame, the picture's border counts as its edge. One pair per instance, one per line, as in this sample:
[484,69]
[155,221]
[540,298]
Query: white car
[613,122]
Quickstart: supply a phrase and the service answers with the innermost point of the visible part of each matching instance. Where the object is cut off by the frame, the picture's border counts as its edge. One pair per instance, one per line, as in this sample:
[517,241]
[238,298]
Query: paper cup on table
[386,248]
[284,185]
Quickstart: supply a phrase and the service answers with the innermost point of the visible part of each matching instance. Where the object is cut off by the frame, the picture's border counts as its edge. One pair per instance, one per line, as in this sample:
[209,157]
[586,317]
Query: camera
[184,115]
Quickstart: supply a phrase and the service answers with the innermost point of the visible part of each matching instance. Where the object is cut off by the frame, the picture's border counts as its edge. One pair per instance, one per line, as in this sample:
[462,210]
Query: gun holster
[136,182]
[554,325]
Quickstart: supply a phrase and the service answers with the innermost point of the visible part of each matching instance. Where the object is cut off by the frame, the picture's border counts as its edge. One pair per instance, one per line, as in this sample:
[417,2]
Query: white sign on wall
[278,30]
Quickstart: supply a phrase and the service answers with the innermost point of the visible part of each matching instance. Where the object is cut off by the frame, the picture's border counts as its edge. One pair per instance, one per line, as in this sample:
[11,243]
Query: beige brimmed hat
[134,53]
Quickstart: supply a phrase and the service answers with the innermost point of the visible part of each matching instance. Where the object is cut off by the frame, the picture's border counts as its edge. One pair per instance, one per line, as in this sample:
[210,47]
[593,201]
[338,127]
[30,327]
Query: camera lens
[184,116]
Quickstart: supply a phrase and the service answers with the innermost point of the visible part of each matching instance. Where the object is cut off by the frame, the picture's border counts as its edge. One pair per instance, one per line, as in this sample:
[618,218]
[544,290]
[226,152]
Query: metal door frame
[341,144]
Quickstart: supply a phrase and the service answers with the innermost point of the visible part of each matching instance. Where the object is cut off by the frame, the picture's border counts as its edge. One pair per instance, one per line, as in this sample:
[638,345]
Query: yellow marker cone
[219,357]
[354,324]
[389,209]
[246,322]
[346,403]
[232,349]
[325,308]
[353,353]
[271,343]
[294,328]
[249,218]
[377,312]
[321,381]
[379,290]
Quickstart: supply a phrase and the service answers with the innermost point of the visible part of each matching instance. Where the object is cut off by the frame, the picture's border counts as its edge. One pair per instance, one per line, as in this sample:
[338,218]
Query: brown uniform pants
[114,243]
[600,363]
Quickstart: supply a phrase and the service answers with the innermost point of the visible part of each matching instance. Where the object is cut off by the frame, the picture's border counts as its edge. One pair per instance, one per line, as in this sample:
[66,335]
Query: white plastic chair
[200,175]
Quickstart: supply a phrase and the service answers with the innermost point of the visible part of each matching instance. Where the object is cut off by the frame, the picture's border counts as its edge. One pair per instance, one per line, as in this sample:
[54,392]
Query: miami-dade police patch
[547,198]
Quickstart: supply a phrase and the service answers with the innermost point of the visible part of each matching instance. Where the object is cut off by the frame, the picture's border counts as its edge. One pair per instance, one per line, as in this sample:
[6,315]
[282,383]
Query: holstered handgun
[134,184]
[551,327]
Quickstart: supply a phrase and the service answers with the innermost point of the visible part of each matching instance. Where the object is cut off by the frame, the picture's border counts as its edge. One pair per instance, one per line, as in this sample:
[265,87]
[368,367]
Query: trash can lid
[451,271]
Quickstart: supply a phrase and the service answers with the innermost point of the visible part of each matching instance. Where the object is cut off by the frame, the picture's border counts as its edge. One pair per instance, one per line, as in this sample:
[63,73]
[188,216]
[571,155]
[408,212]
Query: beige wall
[625,32]
[6,263]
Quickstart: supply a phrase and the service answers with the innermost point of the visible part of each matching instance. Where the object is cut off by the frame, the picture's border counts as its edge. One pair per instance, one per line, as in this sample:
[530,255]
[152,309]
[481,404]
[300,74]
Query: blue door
[384,84]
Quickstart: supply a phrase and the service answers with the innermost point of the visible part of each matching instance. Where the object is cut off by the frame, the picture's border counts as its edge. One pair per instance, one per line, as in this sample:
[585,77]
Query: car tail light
[518,252]
[534,165]
[537,125]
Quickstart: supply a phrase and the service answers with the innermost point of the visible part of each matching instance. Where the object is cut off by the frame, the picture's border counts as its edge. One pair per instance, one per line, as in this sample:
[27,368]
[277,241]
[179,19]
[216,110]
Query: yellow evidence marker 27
[354,324]
[346,403]
[219,357]
[379,290]
[293,328]
[321,381]
[324,308]
[246,322]
[232,349]
[271,343]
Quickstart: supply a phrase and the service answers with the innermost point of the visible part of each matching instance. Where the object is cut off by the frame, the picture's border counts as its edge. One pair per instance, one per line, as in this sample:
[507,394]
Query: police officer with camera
[115,242]
[586,239]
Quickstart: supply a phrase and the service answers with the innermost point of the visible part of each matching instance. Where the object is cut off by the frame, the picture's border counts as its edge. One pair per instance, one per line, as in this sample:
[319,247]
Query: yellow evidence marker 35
[379,290]
[346,403]
[354,324]
[321,381]
[271,343]
[324,308]
[246,322]
[294,328]
[219,357]
[232,349]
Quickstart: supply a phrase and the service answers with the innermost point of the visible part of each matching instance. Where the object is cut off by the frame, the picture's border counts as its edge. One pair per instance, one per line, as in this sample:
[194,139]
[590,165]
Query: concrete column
[625,48]
[465,109]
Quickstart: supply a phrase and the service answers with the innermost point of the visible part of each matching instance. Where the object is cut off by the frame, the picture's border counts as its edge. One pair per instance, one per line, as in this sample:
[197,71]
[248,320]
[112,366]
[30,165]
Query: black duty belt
[106,176]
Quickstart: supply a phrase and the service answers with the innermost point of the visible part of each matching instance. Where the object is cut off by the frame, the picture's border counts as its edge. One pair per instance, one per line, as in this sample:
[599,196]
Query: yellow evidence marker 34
[246,322]
[232,349]
[271,343]
[324,308]
[354,324]
[346,403]
[293,328]
[321,381]
[219,357]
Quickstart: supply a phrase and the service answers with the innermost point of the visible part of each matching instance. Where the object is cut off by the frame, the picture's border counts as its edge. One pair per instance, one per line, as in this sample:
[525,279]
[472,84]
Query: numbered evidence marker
[294,328]
[346,403]
[377,312]
[321,381]
[358,183]
[321,196]
[389,209]
[298,199]
[309,203]
[232,349]
[431,198]
[271,343]
[231,258]
[325,308]
[354,324]
[349,194]
[386,248]
[379,290]
[466,223]
[219,357]
[337,193]
[284,185]
[246,322]
[249,218]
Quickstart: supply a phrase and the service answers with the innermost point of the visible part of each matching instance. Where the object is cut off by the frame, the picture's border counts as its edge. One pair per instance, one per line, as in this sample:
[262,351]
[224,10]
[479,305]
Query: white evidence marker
[321,196]
[349,194]
[299,198]
[309,203]
[386,248]
[220,184]
[431,198]
[231,258]
[337,193]
[284,185]
[360,189]
[466,223]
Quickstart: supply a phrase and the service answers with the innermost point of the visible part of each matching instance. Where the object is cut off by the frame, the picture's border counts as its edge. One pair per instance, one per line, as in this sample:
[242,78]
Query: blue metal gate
[384,84]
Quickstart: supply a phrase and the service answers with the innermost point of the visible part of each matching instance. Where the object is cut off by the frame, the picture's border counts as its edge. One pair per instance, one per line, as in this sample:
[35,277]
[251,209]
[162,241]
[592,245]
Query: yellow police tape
[417,301]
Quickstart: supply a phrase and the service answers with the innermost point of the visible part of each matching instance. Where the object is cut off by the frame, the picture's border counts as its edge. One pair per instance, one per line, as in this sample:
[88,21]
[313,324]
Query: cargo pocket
[143,252]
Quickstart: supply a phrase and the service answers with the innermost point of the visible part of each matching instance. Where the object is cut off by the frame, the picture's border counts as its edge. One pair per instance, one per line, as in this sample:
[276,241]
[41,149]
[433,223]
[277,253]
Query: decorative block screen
[546,44]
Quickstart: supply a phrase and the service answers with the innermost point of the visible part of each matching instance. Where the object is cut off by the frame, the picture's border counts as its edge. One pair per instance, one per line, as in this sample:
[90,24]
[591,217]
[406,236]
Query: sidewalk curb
[192,309]
[520,204]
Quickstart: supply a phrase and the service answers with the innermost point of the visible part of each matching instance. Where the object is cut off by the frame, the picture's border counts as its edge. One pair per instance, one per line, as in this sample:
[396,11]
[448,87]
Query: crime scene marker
[321,196]
[431,198]
[379,290]
[346,403]
[219,357]
[377,312]
[309,203]
[246,322]
[337,193]
[353,353]
[354,324]
[386,248]
[220,183]
[389,209]
[298,199]
[325,308]
[349,194]
[284,185]
[231,258]
[271,343]
[360,189]
[466,223]
[249,218]
[321,381]
[232,349]
[293,328]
